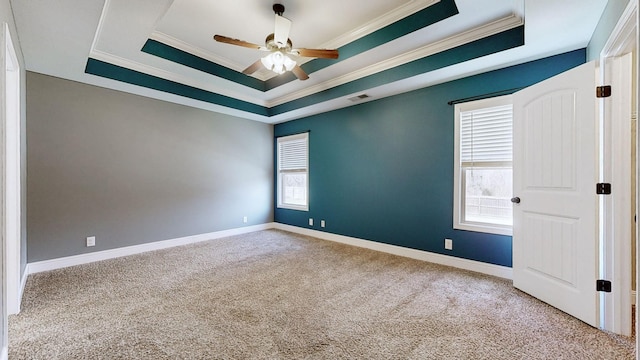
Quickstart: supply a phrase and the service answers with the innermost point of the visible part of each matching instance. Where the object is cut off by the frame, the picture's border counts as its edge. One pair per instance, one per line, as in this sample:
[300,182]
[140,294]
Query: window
[483,166]
[293,179]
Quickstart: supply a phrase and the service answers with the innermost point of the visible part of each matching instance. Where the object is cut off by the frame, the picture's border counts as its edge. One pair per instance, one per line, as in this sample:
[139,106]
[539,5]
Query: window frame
[459,221]
[281,173]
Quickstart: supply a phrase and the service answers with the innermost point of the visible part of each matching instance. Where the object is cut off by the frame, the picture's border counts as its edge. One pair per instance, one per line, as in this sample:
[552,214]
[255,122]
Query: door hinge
[603,91]
[603,189]
[603,285]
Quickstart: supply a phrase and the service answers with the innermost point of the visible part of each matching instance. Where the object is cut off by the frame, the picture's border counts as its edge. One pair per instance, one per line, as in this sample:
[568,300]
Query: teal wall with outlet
[383,170]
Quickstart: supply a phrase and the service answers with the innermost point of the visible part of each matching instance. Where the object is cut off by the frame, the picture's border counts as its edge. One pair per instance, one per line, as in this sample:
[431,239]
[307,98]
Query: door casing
[615,244]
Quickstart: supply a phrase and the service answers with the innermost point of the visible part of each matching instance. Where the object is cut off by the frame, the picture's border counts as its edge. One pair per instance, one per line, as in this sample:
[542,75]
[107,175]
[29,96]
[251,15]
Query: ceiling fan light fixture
[278,62]
[279,45]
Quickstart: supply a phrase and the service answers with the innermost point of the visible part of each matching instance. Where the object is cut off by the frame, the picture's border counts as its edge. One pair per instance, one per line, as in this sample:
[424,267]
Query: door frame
[12,173]
[615,137]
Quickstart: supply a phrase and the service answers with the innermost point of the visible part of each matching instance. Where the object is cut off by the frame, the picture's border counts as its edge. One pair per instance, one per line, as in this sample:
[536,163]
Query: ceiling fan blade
[228,40]
[253,67]
[316,53]
[299,73]
[281,33]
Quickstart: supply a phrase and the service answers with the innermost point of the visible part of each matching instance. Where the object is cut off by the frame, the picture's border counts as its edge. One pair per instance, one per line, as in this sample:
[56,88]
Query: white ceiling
[58,37]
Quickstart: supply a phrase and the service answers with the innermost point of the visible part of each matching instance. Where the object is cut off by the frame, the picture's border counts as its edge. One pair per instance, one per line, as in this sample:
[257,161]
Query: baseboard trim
[476,266]
[5,353]
[23,281]
[59,263]
[23,284]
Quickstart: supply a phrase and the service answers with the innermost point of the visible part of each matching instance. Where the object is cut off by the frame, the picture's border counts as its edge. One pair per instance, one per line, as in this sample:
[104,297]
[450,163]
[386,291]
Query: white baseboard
[5,353]
[11,310]
[477,266]
[23,283]
[47,265]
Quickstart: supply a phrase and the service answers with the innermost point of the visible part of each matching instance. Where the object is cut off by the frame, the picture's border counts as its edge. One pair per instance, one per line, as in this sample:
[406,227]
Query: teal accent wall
[383,170]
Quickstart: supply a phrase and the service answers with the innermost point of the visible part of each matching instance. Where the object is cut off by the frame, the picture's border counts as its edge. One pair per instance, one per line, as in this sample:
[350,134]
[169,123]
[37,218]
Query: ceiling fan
[279,47]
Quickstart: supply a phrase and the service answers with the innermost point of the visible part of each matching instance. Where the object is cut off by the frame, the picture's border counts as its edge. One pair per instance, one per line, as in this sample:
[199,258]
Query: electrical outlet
[244,219]
[322,223]
[448,244]
[91,241]
[310,222]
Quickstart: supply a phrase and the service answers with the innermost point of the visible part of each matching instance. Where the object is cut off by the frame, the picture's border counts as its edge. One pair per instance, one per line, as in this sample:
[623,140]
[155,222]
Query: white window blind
[293,179]
[292,153]
[483,165]
[486,136]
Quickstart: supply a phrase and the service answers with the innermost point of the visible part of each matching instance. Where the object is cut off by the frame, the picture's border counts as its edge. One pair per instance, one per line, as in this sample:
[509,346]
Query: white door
[554,176]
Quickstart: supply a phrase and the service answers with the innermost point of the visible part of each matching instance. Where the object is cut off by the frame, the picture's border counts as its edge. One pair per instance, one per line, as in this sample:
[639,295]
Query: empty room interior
[424,179]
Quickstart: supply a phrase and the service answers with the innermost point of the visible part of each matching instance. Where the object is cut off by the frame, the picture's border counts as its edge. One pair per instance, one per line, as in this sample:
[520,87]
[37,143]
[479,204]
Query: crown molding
[202,53]
[103,17]
[388,18]
[483,31]
[146,69]
[167,75]
[622,39]
[410,7]
[378,23]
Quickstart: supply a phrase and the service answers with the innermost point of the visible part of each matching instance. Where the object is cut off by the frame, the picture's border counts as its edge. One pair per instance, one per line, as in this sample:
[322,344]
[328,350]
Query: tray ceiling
[164,49]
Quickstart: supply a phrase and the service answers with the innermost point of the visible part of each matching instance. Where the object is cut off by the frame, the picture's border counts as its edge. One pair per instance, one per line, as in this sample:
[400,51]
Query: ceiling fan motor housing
[271,44]
[278,9]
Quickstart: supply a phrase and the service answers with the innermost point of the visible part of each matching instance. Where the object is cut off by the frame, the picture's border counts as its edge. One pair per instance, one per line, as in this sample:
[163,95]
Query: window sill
[293,207]
[485,228]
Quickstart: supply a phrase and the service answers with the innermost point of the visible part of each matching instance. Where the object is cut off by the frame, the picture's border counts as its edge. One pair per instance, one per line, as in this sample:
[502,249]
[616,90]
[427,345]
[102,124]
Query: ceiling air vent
[358,97]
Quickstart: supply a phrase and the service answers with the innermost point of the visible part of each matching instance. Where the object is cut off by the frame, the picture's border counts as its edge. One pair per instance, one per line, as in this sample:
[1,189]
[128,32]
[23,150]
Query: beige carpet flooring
[277,295]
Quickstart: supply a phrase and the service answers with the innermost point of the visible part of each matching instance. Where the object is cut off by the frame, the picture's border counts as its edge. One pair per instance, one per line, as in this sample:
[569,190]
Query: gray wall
[132,170]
